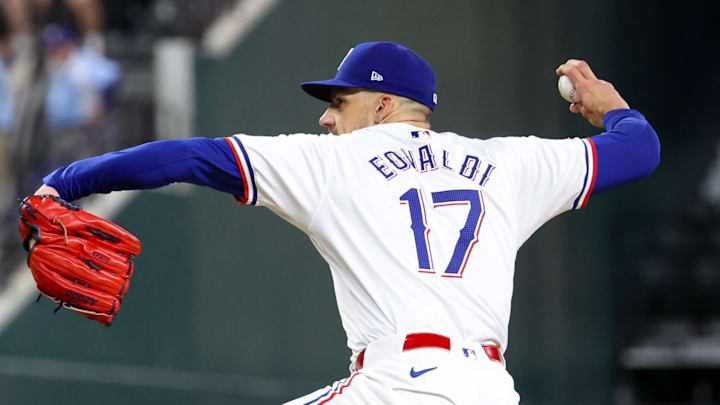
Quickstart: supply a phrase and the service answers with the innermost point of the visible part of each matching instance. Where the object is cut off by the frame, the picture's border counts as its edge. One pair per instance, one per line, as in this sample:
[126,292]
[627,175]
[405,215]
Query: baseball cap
[381,66]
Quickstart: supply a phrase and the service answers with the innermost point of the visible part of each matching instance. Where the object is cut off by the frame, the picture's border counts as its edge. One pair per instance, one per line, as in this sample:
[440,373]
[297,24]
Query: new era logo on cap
[376,77]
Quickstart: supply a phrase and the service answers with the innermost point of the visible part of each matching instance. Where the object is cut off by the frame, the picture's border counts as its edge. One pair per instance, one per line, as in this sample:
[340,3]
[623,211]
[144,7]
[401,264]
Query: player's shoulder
[504,149]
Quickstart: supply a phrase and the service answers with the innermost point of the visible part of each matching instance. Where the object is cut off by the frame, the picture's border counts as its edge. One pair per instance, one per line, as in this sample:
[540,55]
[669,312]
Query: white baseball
[566,88]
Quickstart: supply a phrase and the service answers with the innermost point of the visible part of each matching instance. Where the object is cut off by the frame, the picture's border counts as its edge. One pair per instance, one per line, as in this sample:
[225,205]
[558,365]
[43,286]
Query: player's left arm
[200,161]
[286,173]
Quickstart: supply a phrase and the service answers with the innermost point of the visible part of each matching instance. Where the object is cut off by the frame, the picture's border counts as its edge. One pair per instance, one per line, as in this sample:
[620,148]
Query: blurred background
[617,304]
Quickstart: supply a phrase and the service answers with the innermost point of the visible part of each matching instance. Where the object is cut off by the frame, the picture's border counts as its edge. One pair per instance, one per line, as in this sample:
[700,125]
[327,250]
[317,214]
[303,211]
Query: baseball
[566,88]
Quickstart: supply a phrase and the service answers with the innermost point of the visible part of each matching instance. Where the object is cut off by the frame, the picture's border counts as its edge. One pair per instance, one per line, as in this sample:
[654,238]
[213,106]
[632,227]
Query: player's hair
[414,106]
[406,105]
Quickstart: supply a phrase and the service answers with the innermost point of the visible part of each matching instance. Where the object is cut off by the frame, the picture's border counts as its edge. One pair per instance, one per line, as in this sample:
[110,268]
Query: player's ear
[384,107]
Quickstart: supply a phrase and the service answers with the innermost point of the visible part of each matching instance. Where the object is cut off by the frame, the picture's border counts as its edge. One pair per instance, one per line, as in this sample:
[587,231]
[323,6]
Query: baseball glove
[80,261]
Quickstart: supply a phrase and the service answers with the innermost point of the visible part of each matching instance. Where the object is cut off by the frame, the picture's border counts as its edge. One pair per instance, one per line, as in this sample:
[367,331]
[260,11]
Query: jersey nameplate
[424,159]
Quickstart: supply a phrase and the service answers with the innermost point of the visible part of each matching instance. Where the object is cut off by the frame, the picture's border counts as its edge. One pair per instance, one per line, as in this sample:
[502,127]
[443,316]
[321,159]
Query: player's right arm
[551,176]
[629,148]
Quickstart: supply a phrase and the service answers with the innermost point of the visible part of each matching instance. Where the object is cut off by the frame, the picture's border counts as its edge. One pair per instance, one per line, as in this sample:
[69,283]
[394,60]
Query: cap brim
[321,89]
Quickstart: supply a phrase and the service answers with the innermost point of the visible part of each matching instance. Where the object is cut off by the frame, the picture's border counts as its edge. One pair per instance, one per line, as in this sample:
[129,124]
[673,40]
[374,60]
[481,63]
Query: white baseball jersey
[420,229]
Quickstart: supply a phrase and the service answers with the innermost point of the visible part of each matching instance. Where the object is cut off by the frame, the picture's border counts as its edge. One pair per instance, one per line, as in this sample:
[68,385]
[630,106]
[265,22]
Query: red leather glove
[80,261]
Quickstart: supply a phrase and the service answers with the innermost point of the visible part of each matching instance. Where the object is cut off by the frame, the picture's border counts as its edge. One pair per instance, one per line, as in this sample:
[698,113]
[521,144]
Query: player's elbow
[648,156]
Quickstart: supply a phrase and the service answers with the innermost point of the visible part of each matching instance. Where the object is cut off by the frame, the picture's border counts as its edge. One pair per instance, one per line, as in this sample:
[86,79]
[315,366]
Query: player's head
[376,82]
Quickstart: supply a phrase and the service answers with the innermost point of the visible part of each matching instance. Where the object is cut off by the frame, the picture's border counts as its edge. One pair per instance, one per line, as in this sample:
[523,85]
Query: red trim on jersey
[594,166]
[244,199]
[339,392]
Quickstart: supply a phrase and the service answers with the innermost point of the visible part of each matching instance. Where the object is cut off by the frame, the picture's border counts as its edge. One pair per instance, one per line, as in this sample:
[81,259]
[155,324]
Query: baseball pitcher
[420,228]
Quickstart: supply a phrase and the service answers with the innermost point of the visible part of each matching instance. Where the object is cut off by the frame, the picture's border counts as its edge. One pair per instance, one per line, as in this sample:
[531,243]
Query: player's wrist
[612,117]
[620,105]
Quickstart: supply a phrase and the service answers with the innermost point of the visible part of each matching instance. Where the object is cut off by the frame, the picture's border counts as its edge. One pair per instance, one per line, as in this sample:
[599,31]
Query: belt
[429,340]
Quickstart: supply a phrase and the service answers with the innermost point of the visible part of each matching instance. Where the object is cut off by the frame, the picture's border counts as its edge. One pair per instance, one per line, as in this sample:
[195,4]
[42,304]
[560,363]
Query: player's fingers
[575,108]
[575,76]
[584,68]
[580,66]
[570,69]
[561,70]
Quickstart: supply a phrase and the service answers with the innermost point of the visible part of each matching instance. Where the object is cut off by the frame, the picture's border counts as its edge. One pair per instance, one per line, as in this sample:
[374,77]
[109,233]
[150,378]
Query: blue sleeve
[628,150]
[201,161]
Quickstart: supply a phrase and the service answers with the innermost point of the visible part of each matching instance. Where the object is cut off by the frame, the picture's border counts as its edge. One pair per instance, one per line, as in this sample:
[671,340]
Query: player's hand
[45,189]
[593,97]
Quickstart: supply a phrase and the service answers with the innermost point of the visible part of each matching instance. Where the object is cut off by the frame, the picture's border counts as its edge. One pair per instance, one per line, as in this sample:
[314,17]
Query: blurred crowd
[76,81]
[57,77]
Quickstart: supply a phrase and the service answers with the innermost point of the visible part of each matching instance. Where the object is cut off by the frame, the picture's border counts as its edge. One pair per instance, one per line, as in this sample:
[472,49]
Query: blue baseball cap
[381,66]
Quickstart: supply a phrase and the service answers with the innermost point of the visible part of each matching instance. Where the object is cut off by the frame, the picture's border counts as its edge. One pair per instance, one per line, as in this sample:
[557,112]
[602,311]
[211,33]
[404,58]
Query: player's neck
[410,119]
[419,124]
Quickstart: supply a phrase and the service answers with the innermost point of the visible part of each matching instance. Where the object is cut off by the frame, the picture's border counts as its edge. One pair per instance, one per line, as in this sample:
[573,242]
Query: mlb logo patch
[416,134]
[470,353]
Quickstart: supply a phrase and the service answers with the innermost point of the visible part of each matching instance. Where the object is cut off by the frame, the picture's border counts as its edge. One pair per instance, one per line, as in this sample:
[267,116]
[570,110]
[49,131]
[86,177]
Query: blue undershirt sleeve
[628,150]
[201,161]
